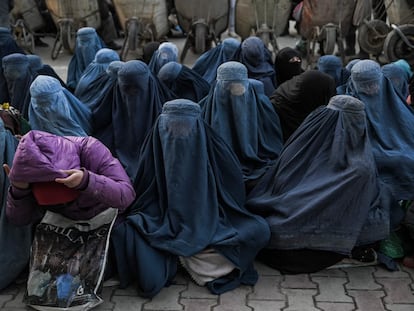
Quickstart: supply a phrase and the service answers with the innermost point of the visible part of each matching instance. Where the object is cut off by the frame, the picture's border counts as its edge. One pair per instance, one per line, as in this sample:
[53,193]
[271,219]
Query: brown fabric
[319,13]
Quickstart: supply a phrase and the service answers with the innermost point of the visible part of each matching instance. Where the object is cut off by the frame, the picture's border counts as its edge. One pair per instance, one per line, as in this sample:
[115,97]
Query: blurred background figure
[5,8]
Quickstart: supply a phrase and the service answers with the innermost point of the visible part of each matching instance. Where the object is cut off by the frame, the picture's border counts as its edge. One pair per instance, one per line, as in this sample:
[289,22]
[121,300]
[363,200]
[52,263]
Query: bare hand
[73,180]
[20,185]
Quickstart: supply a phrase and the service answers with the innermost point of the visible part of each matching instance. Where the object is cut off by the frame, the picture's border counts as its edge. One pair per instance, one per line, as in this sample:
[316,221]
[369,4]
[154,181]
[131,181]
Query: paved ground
[368,288]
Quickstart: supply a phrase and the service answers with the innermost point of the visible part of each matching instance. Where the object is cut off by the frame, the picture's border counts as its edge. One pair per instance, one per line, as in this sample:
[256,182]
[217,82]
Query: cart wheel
[395,48]
[200,38]
[371,36]
[328,39]
[68,37]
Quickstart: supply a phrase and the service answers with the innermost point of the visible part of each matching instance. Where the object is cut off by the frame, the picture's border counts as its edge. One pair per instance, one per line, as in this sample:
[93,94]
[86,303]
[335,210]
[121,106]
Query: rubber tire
[200,33]
[329,40]
[368,40]
[68,37]
[395,48]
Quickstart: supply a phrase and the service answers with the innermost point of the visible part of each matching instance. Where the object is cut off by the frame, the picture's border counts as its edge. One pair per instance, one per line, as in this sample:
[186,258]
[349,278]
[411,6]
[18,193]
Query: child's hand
[73,180]
[20,185]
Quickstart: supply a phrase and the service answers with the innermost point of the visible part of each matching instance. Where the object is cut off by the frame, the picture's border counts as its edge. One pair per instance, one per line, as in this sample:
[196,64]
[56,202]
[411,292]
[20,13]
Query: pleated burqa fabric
[208,62]
[324,192]
[56,110]
[190,197]
[88,43]
[247,124]
[99,64]
[19,76]
[166,52]
[15,241]
[390,127]
[183,81]
[138,101]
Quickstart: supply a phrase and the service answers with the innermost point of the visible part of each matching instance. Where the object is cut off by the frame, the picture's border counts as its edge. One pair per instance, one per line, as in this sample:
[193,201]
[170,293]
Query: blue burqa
[99,64]
[398,77]
[87,44]
[208,62]
[258,59]
[138,100]
[55,110]
[15,241]
[7,46]
[332,65]
[390,126]
[18,75]
[99,97]
[183,81]
[166,52]
[249,125]
[190,196]
[324,193]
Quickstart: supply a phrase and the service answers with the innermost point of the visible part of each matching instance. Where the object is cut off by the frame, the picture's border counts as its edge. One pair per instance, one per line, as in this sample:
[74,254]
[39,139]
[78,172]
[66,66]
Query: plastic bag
[67,262]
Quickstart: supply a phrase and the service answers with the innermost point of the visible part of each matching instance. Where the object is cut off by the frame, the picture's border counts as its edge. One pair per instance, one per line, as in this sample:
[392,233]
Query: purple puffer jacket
[40,156]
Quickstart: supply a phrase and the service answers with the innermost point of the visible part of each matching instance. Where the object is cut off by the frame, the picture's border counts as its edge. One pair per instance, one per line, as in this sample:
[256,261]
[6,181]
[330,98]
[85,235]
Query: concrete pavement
[364,288]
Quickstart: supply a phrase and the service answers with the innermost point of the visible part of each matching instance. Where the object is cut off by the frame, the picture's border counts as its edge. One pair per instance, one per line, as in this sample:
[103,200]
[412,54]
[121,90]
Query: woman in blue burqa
[323,197]
[248,124]
[14,241]
[99,96]
[56,110]
[333,66]
[390,126]
[87,44]
[137,102]
[208,62]
[258,59]
[7,46]
[398,77]
[183,81]
[18,75]
[166,52]
[99,64]
[189,209]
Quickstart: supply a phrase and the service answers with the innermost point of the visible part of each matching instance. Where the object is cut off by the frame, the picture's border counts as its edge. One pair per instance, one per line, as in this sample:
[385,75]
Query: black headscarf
[299,96]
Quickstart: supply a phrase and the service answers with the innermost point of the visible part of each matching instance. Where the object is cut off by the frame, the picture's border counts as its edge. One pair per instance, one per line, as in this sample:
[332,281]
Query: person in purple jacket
[76,177]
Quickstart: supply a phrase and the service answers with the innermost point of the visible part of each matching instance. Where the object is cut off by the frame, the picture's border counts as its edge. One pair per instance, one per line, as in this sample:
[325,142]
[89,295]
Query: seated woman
[323,197]
[88,43]
[18,77]
[208,62]
[14,241]
[288,63]
[299,96]
[137,102]
[76,177]
[249,125]
[390,126]
[183,81]
[189,208]
[56,110]
[333,66]
[99,64]
[258,59]
[166,52]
